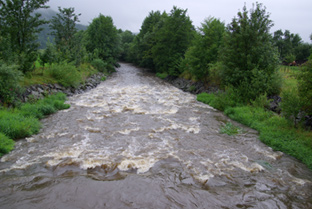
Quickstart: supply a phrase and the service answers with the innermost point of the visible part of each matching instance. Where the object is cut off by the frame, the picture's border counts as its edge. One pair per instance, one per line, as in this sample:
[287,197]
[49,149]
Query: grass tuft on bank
[24,121]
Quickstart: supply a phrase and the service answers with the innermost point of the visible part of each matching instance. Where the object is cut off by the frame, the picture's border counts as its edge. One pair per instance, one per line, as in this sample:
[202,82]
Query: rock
[39,91]
[308,122]
[274,104]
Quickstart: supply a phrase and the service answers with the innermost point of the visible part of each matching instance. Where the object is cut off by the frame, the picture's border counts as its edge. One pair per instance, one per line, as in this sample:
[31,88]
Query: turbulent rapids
[137,142]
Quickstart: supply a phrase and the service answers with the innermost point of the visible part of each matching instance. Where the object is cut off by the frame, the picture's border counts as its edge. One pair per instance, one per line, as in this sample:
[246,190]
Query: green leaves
[172,41]
[205,48]
[20,25]
[102,37]
[64,30]
[250,59]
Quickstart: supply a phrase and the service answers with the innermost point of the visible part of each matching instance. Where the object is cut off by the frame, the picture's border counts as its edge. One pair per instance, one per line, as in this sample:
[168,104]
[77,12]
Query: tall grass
[64,74]
[24,121]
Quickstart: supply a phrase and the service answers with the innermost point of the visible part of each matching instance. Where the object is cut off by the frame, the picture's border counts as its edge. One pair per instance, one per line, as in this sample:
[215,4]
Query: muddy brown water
[137,142]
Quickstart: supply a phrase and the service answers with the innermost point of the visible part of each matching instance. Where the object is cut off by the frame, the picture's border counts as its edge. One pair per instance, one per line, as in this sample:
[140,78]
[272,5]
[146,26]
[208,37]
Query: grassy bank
[64,74]
[23,121]
[274,130]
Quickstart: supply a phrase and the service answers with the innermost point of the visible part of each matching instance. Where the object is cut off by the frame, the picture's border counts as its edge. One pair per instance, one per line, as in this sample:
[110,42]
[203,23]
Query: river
[138,142]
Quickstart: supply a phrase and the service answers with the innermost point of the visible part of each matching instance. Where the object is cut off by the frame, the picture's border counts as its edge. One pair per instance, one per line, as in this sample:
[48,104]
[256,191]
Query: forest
[245,61]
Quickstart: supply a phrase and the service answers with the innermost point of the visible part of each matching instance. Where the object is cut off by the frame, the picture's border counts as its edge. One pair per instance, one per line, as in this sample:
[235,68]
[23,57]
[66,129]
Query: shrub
[258,84]
[305,87]
[162,75]
[15,125]
[206,98]
[291,105]
[46,106]
[6,144]
[100,65]
[65,74]
[261,101]
[228,98]
[9,83]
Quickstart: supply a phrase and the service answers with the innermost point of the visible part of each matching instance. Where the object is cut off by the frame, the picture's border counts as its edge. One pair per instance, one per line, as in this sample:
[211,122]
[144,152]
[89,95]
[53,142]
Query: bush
[9,83]
[305,87]
[261,101]
[258,84]
[6,144]
[15,125]
[46,106]
[100,65]
[162,75]
[228,98]
[291,105]
[206,98]
[65,74]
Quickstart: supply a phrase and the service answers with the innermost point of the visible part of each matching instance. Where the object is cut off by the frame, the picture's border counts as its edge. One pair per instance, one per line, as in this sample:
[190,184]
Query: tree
[303,52]
[127,38]
[172,40]
[249,58]
[102,39]
[20,24]
[141,48]
[64,30]
[205,48]
[286,42]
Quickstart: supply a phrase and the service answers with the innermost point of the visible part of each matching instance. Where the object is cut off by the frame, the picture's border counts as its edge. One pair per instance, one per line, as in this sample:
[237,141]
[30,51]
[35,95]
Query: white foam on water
[141,164]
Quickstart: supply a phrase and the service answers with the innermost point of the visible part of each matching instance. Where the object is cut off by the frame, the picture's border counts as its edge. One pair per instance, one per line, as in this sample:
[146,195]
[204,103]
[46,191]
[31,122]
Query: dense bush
[15,125]
[65,74]
[9,83]
[100,65]
[291,105]
[6,144]
[305,87]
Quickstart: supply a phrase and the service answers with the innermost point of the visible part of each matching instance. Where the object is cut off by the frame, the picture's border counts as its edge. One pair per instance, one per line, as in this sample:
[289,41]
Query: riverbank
[274,130]
[38,101]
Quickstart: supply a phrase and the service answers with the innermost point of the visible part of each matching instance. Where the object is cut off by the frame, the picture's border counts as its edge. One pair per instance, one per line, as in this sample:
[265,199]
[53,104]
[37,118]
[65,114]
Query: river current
[138,142]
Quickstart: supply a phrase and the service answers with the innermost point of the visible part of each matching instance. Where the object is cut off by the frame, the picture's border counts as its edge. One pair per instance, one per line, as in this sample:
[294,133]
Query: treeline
[69,55]
[242,57]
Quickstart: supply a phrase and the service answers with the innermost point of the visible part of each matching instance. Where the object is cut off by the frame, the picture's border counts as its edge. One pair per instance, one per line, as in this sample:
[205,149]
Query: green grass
[289,75]
[275,131]
[24,121]
[64,74]
[230,129]
[162,75]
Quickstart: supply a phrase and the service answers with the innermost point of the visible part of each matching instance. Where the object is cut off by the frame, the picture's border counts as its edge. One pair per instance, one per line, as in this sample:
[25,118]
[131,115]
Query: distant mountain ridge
[45,34]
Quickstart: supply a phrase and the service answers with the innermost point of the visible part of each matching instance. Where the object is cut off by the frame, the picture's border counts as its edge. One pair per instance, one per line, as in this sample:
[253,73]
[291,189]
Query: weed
[230,129]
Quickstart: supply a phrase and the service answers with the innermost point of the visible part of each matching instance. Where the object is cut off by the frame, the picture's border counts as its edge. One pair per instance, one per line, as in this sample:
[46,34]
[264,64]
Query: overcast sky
[295,16]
